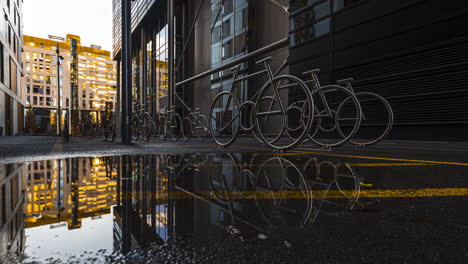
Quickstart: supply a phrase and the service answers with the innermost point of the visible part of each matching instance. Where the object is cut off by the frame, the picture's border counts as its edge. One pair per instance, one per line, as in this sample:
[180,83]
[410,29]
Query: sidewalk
[28,148]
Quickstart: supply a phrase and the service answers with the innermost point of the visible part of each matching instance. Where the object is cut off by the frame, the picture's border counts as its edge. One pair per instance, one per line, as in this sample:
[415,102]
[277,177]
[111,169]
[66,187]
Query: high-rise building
[86,76]
[11,42]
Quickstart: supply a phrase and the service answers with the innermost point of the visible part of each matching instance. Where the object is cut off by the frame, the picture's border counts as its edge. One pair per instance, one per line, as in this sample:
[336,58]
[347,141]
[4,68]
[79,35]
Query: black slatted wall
[414,53]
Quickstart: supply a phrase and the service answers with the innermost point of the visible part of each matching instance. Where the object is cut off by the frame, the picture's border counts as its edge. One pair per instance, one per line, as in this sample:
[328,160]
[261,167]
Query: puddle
[232,208]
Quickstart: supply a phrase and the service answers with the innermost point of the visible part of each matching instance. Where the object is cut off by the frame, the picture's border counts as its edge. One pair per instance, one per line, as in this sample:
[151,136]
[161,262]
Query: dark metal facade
[414,53]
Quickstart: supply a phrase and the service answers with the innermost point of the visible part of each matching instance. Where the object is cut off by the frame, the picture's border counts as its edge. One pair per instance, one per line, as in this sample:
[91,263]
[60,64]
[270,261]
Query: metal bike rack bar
[276,45]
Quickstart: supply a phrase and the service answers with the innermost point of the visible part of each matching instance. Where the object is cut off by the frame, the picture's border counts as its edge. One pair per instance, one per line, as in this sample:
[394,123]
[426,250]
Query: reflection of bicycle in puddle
[284,194]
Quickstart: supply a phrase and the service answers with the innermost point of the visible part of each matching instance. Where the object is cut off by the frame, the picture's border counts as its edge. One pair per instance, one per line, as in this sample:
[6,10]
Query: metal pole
[171,30]
[59,116]
[126,72]
[119,100]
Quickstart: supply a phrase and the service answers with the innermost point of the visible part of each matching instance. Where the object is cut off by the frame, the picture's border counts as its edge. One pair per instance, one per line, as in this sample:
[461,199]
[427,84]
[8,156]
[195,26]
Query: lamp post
[59,112]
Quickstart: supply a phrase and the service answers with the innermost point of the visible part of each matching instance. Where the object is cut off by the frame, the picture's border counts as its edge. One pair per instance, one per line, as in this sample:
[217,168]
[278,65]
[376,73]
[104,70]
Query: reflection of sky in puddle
[60,243]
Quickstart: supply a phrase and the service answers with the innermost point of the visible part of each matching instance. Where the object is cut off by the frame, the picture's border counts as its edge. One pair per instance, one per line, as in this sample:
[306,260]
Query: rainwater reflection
[201,208]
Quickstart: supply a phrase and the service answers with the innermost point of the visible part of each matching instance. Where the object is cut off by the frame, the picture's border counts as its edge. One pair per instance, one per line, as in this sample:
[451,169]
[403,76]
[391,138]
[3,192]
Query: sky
[89,19]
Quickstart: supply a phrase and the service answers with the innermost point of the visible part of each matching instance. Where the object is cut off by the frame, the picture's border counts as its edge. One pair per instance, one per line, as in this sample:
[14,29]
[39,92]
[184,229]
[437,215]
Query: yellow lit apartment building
[68,190]
[87,78]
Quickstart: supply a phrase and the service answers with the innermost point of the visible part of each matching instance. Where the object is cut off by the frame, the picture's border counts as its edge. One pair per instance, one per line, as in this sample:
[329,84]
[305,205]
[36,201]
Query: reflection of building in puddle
[12,234]
[160,195]
[141,214]
[68,190]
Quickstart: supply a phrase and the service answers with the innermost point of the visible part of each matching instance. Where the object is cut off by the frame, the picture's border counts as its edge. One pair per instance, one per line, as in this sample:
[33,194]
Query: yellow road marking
[319,194]
[296,153]
[380,158]
[389,164]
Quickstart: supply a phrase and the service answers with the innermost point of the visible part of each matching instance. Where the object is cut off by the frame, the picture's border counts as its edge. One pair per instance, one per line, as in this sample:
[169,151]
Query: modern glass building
[208,34]
[87,79]
[11,69]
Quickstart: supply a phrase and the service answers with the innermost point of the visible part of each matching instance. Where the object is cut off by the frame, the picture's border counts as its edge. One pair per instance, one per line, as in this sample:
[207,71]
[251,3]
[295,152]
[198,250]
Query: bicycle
[89,127]
[109,132]
[375,112]
[270,103]
[328,100]
[193,124]
[169,123]
[141,121]
[341,175]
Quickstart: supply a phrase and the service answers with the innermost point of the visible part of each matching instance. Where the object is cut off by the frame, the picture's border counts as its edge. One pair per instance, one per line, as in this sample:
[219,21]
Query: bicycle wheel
[326,132]
[146,127]
[224,119]
[348,184]
[106,132]
[279,183]
[88,131]
[292,130]
[162,128]
[186,128]
[175,126]
[272,115]
[201,127]
[112,133]
[136,128]
[376,120]
[223,175]
[154,129]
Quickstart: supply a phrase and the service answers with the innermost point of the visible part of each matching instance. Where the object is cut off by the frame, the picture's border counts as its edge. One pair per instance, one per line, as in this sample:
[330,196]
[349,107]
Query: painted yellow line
[225,163]
[389,164]
[319,194]
[297,153]
[380,158]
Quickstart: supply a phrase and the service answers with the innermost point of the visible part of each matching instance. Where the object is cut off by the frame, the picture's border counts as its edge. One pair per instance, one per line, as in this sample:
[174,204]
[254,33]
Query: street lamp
[59,112]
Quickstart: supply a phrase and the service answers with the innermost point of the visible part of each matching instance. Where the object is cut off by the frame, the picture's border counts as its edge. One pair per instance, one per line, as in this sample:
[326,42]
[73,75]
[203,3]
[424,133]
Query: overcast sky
[89,19]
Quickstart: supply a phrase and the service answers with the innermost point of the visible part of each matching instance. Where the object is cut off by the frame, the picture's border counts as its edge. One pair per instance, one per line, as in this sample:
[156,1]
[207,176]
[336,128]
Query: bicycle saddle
[315,71]
[343,81]
[264,59]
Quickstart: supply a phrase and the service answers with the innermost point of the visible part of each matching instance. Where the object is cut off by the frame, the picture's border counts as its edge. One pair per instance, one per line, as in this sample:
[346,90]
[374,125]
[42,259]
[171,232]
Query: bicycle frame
[271,76]
[318,88]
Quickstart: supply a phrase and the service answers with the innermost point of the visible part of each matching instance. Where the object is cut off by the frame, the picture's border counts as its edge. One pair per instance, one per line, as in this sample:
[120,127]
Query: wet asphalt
[411,208]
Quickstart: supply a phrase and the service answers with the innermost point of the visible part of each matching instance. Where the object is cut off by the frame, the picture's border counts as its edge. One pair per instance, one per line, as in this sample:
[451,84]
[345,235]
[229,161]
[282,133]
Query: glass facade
[229,29]
[310,19]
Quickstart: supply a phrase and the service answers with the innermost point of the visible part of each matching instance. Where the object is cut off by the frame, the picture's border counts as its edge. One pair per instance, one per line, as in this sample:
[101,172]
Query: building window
[311,19]
[49,101]
[38,89]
